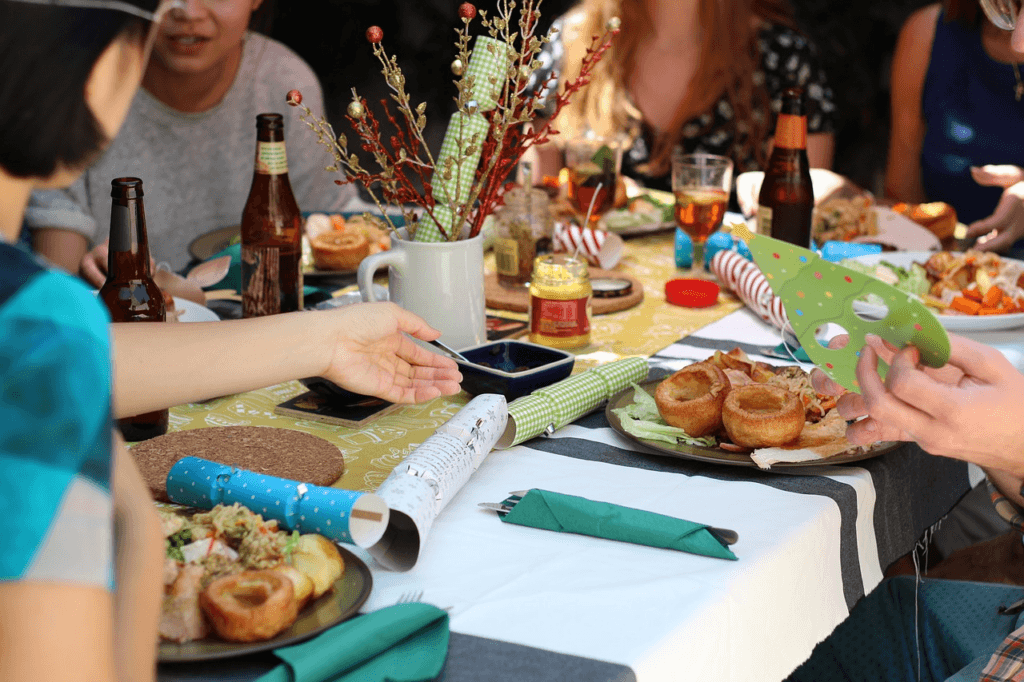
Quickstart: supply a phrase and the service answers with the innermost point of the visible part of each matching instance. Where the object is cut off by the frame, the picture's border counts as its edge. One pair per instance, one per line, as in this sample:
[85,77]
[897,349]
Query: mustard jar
[560,300]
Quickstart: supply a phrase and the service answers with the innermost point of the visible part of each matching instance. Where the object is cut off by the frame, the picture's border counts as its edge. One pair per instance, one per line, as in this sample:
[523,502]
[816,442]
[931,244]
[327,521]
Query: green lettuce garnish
[642,420]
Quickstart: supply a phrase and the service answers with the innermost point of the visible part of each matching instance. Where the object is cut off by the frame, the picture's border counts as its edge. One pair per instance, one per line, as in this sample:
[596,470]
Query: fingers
[413,324]
[90,267]
[824,385]
[881,402]
[978,360]
[997,175]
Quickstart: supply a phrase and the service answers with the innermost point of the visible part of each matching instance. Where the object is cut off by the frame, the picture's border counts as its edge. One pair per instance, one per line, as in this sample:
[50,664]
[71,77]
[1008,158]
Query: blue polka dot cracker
[816,292]
[341,515]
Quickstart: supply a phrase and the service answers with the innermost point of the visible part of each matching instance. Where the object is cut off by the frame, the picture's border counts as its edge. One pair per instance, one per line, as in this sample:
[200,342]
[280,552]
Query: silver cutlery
[723,535]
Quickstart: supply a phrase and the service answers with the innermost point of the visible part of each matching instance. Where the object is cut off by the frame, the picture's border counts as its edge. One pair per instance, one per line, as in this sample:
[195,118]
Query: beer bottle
[786,201]
[271,229]
[129,291]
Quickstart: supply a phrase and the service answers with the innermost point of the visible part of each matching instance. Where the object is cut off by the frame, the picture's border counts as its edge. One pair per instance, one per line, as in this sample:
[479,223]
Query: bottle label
[559,318]
[791,132]
[271,158]
[764,220]
[506,257]
[271,281]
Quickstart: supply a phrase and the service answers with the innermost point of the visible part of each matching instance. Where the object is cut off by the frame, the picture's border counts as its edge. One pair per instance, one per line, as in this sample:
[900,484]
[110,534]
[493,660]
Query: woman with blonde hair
[706,75]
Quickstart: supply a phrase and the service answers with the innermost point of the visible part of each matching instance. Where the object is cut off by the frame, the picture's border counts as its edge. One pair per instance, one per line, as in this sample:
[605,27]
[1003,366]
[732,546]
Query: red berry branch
[406,166]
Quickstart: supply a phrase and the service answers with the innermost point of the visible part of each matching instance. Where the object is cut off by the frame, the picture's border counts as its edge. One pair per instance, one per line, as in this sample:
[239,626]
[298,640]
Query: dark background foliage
[855,41]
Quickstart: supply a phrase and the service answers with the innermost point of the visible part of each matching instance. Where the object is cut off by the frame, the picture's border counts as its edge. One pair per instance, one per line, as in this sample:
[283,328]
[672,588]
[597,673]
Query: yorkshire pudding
[760,416]
[337,250]
[692,398]
[250,606]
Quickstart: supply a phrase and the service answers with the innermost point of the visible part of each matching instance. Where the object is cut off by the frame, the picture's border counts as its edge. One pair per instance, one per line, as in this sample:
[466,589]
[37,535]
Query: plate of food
[335,244]
[646,211]
[971,291]
[236,584]
[744,413]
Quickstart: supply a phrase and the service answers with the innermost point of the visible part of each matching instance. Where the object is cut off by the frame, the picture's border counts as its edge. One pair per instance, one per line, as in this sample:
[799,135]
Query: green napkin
[570,514]
[400,643]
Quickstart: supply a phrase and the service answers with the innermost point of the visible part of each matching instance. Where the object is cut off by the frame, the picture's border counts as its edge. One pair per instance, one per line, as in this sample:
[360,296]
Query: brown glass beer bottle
[786,201]
[129,292]
[271,229]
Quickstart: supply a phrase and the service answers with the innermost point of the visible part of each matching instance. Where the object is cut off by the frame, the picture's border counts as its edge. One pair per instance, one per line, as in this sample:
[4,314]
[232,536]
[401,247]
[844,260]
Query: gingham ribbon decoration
[748,282]
[488,65]
[569,399]
[465,131]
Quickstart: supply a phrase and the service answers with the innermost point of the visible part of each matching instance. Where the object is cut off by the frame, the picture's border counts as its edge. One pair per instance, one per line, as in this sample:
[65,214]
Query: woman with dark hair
[80,569]
[957,131]
[706,76]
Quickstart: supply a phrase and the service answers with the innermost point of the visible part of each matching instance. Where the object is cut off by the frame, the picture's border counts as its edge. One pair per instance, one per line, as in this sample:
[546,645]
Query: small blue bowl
[512,368]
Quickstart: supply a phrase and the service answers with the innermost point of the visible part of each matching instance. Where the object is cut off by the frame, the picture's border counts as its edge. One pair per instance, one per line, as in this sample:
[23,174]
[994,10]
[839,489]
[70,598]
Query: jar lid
[692,293]
[609,287]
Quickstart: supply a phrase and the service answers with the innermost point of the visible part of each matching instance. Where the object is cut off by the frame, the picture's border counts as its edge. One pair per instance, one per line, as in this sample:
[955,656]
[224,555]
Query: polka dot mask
[815,292]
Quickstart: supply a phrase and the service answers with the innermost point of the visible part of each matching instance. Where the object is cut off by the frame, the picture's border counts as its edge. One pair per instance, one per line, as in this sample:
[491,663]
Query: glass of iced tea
[701,183]
[594,164]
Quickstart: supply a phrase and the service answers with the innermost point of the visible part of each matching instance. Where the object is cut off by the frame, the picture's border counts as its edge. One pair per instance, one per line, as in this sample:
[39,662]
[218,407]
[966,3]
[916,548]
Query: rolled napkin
[341,515]
[570,514]
[554,406]
[748,282]
[404,642]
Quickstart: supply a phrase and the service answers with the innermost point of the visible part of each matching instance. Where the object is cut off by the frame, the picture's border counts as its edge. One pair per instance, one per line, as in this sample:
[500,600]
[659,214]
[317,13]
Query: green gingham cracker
[464,131]
[488,66]
[569,399]
[426,228]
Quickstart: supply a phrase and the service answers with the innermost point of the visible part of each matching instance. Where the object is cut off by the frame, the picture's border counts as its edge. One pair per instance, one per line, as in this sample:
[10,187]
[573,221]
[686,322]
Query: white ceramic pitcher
[442,282]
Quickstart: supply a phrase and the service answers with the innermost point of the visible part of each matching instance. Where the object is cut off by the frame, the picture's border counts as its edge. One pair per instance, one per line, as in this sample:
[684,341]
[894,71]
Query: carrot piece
[992,297]
[991,311]
[965,305]
[972,294]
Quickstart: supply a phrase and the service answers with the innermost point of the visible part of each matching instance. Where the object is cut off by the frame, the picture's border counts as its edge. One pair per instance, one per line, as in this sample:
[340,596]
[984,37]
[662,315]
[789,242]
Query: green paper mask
[815,292]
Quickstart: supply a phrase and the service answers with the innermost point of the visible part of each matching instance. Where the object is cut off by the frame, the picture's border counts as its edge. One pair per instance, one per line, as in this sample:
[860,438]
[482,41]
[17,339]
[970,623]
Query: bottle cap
[692,293]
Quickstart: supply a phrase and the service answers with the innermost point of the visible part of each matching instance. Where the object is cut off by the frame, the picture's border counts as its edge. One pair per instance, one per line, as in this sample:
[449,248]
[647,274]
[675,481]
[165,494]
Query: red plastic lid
[692,293]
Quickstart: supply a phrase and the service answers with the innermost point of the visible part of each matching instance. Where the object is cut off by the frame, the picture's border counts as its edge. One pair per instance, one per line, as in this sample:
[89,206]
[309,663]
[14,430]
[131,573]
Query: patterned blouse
[787,59]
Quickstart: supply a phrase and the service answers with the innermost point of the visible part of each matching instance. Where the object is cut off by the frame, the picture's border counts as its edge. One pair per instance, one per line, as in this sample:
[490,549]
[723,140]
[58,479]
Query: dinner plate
[627,223]
[350,591]
[193,312]
[718,455]
[953,323]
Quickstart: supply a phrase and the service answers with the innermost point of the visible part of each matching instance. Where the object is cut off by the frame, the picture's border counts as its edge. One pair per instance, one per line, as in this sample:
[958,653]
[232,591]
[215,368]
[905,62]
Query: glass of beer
[701,183]
[594,164]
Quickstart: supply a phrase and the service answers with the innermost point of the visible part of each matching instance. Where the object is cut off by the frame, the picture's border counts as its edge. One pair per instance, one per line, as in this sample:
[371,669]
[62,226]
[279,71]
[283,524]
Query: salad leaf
[912,280]
[642,419]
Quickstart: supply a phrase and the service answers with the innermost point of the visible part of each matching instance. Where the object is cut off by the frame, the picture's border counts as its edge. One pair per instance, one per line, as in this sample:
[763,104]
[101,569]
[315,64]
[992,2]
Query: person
[82,557]
[664,88]
[957,132]
[190,135]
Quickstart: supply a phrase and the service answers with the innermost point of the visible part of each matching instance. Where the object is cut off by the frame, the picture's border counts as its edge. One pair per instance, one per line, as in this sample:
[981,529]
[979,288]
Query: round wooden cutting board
[518,300]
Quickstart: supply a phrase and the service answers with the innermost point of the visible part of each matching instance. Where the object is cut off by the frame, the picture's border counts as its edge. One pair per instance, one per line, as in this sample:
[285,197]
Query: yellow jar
[560,294]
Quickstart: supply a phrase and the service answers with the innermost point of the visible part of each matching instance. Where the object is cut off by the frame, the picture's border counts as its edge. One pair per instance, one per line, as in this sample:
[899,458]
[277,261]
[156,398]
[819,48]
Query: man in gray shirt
[194,151]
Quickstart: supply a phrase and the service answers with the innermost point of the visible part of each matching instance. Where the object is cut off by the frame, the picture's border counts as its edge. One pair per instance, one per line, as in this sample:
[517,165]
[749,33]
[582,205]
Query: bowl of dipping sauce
[512,368]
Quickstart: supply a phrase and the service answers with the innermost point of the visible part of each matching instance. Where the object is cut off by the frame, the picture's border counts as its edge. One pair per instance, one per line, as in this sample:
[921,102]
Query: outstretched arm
[363,348]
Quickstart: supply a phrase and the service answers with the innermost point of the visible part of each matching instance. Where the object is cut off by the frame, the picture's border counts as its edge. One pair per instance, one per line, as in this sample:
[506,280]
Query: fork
[410,597]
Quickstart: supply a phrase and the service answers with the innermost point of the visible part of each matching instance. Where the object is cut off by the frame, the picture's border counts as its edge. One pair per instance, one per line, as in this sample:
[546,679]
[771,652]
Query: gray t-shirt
[196,168]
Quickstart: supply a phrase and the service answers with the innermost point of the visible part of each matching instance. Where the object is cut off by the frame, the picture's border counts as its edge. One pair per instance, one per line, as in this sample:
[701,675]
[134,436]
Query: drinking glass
[594,163]
[701,183]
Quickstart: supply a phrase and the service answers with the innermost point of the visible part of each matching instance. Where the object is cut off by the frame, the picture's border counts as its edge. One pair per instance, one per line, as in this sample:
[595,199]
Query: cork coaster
[285,453]
[518,300]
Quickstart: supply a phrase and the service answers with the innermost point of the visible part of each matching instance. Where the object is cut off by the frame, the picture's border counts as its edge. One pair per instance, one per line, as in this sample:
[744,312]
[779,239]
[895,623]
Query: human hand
[1000,230]
[968,409]
[93,267]
[997,175]
[373,356]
